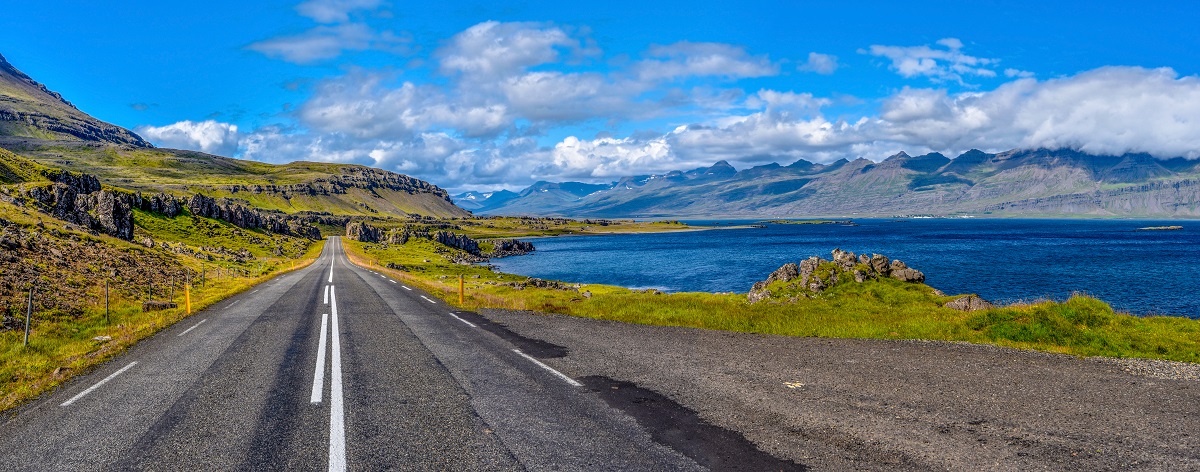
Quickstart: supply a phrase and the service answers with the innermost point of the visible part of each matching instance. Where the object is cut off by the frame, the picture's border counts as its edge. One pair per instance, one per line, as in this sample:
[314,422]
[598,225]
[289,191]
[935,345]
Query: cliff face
[29,109]
[363,178]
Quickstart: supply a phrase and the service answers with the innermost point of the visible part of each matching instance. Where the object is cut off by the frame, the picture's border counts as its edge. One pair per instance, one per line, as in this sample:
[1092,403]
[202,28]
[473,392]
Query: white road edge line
[197,325]
[337,422]
[327,294]
[427,299]
[319,372]
[392,281]
[464,321]
[98,384]
[231,304]
[551,369]
[406,287]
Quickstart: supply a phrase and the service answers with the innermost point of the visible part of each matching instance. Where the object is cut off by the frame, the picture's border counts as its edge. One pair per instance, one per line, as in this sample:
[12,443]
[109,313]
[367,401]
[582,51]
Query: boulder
[361,231]
[756,296]
[969,303]
[845,259]
[908,275]
[880,264]
[784,273]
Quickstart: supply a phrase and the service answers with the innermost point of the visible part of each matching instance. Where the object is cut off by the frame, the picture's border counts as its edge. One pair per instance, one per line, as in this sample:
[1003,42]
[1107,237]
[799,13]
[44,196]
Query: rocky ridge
[471,252]
[28,108]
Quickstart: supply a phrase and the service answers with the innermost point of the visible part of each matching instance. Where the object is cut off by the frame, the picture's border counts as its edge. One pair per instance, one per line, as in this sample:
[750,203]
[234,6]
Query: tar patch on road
[534,347]
[681,429]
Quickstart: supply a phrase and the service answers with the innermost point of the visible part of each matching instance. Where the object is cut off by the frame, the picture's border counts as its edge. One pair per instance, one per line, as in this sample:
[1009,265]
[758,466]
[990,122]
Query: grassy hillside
[343,189]
[69,268]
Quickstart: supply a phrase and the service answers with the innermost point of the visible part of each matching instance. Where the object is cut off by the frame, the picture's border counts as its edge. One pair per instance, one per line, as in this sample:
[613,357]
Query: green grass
[882,309]
[61,343]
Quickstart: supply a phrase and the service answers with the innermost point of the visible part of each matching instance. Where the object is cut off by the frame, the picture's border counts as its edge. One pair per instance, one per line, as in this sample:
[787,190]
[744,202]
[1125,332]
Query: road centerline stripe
[337,422]
[548,368]
[319,372]
[98,384]
[464,321]
[197,325]
[427,299]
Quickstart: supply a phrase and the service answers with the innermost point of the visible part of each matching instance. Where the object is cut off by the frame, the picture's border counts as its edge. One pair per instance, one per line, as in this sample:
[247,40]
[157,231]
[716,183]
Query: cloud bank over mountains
[504,104]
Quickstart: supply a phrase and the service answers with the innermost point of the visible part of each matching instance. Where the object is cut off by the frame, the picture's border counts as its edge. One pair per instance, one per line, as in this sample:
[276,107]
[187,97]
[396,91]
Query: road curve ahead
[337,367]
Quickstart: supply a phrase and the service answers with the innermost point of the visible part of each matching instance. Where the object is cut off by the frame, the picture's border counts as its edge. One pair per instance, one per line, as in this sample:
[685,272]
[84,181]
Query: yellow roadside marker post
[460,290]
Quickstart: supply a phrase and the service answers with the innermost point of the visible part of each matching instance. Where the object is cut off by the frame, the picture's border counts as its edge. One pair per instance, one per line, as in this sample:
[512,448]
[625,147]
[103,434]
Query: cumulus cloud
[504,84]
[334,11]
[823,64]
[688,59]
[326,42]
[491,49]
[208,136]
[1111,110]
[944,63]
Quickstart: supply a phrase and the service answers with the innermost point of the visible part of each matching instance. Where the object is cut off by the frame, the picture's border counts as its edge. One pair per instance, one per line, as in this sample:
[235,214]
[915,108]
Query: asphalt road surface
[336,367]
[330,367]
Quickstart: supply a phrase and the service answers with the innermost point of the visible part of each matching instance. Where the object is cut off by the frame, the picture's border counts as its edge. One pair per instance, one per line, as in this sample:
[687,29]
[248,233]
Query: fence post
[29,314]
[106,316]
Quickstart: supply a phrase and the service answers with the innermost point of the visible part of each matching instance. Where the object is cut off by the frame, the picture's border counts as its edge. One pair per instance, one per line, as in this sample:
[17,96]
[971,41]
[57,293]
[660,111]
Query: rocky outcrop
[815,275]
[363,178]
[78,199]
[361,231]
[251,218]
[969,303]
[457,241]
[510,247]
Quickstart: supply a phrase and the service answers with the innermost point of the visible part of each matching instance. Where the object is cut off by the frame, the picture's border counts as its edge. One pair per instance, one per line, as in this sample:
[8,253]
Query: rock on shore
[815,275]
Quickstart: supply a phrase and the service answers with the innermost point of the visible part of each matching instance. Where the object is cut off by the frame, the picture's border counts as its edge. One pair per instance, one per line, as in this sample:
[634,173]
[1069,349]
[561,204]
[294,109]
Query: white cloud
[1111,110]
[493,50]
[208,136]
[947,63]
[1023,74]
[366,106]
[611,157]
[688,59]
[327,42]
[334,11]
[823,64]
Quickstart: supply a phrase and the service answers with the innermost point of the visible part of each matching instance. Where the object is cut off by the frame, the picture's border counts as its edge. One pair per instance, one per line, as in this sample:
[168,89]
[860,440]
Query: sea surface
[1002,260]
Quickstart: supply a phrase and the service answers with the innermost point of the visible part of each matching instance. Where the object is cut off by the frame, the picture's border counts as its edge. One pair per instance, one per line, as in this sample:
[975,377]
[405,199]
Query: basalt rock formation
[251,218]
[815,275]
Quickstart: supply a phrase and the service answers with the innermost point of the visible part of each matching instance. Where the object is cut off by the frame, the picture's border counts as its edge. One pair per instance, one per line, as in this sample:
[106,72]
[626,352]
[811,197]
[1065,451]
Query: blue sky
[484,95]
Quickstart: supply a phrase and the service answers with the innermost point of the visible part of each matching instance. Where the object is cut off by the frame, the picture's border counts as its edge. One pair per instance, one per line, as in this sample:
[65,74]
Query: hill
[1037,182]
[29,109]
[38,124]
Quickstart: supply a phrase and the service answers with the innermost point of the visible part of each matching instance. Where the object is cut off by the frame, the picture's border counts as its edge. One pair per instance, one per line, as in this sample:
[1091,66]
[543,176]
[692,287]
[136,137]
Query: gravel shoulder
[855,404]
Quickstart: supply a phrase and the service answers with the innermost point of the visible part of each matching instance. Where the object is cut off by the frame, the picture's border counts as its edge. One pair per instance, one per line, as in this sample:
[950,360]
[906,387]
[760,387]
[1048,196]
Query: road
[336,367]
[331,367]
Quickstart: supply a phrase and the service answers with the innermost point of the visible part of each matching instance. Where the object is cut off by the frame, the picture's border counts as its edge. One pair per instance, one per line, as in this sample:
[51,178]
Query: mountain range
[1032,182]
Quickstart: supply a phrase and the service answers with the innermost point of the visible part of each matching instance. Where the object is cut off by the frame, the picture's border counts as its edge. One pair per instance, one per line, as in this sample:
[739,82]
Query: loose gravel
[856,404]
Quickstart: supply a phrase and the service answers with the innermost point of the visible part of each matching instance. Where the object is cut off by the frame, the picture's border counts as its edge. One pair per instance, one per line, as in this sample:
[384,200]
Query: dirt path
[839,404]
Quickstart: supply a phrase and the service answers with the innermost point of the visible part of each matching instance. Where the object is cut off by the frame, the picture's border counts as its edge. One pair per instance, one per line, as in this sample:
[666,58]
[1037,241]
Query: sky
[491,95]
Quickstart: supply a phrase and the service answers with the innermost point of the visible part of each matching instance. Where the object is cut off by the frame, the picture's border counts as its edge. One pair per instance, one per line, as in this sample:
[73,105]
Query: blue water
[1141,272]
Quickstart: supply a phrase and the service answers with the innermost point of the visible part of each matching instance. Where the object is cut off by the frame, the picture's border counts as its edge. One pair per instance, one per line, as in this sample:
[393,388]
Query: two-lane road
[333,366]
